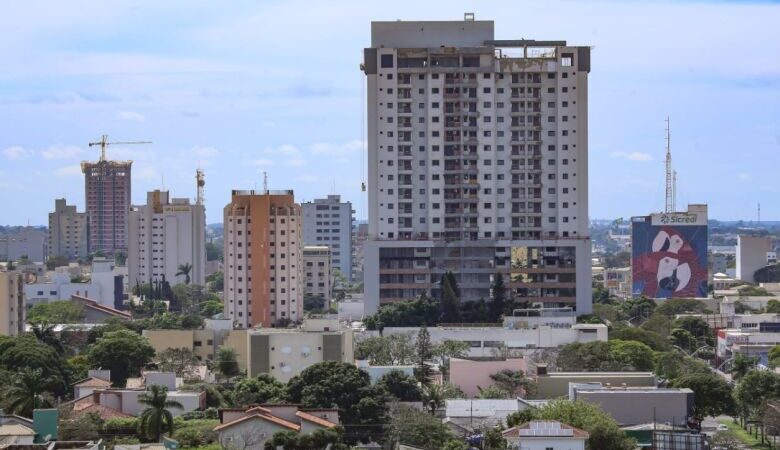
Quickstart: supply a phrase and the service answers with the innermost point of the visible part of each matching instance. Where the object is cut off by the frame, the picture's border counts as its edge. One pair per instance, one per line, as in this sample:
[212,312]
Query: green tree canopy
[56,312]
[395,349]
[711,394]
[614,355]
[653,340]
[157,418]
[673,365]
[401,386]
[123,352]
[227,362]
[418,429]
[263,388]
[25,352]
[753,389]
[182,361]
[412,313]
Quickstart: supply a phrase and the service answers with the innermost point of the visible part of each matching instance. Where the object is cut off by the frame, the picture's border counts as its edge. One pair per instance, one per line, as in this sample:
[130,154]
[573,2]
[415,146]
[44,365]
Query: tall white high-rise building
[68,231]
[12,309]
[477,164]
[165,234]
[328,221]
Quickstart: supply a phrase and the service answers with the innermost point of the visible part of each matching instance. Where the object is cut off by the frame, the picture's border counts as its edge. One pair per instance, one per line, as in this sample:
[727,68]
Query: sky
[244,87]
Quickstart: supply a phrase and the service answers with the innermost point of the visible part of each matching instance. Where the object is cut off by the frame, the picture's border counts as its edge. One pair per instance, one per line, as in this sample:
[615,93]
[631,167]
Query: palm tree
[24,395]
[185,269]
[45,334]
[156,419]
[434,395]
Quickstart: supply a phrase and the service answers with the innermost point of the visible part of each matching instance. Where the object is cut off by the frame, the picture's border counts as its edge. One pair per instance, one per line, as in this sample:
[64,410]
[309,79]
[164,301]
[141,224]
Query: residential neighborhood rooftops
[545,429]
[16,430]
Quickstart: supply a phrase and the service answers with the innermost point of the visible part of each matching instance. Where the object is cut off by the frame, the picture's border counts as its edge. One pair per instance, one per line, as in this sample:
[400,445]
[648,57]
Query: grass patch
[744,436]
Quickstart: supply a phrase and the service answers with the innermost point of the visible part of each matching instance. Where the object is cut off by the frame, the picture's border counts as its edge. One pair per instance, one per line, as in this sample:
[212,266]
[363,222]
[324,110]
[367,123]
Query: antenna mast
[674,190]
[669,207]
[265,182]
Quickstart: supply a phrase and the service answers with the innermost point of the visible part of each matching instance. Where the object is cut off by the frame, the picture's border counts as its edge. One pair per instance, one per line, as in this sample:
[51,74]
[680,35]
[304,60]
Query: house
[250,429]
[110,402]
[16,434]
[106,286]
[96,379]
[472,414]
[95,312]
[377,372]
[545,435]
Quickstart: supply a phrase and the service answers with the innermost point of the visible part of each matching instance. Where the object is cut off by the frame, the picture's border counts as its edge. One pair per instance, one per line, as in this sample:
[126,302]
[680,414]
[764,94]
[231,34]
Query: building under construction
[107,200]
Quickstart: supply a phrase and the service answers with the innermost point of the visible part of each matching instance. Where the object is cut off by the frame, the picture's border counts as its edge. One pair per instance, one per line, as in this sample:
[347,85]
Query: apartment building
[316,260]
[165,234]
[752,254]
[477,164]
[328,221]
[105,286]
[286,352]
[12,310]
[263,258]
[107,199]
[68,231]
[24,242]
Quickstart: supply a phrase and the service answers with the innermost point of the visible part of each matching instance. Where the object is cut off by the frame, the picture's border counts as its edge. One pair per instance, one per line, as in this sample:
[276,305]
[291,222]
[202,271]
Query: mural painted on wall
[669,255]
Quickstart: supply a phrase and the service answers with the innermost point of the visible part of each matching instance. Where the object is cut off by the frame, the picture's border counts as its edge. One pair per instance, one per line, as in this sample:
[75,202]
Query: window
[387,61]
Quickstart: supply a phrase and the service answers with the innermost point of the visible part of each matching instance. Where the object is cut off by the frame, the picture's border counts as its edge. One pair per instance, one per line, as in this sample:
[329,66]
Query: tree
[123,352]
[56,312]
[711,394]
[673,365]
[753,389]
[25,352]
[263,388]
[80,427]
[424,353]
[498,304]
[291,440]
[26,393]
[401,386]
[216,281]
[45,334]
[447,350]
[675,306]
[410,313]
[774,356]
[393,350]
[450,308]
[184,270]
[492,392]
[56,261]
[415,428]
[182,361]
[434,395]
[227,362]
[614,355]
[773,306]
[725,440]
[684,339]
[741,364]
[327,384]
[605,433]
[156,419]
[514,383]
[653,340]
[213,251]
[493,439]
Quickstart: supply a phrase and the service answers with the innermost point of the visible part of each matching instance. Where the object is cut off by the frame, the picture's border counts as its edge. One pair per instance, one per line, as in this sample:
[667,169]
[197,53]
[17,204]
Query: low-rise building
[105,286]
[478,413]
[377,372]
[753,343]
[286,352]
[637,405]
[316,262]
[551,385]
[618,281]
[12,310]
[204,343]
[250,429]
[544,435]
[472,375]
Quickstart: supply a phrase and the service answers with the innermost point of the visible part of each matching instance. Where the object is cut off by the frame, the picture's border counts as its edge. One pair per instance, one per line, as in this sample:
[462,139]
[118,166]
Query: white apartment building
[68,231]
[12,310]
[328,221]
[105,286]
[316,260]
[164,234]
[263,259]
[24,242]
[478,164]
[752,254]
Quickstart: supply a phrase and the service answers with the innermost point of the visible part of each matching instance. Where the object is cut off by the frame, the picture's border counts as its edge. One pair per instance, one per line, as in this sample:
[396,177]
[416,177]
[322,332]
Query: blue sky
[239,88]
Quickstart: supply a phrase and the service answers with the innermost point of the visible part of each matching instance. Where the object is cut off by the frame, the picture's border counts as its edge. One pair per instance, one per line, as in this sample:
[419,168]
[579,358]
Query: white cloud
[296,161]
[633,156]
[131,116]
[293,155]
[322,148]
[16,152]
[744,176]
[307,178]
[262,162]
[69,171]
[61,152]
[203,152]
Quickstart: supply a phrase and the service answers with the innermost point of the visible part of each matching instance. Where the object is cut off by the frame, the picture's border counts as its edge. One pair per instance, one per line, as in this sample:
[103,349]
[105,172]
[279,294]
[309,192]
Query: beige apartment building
[67,231]
[12,310]
[285,353]
[316,260]
[263,258]
[204,343]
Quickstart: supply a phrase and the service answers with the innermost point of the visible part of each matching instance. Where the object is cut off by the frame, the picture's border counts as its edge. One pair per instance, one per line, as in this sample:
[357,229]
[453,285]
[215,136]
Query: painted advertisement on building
[669,255]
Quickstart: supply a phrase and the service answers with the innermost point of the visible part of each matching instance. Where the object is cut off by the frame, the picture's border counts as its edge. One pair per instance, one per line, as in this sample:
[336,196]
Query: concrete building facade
[752,252]
[316,260]
[164,234]
[105,286]
[12,309]
[477,164]
[328,221]
[285,353]
[107,187]
[26,242]
[68,231]
[263,259]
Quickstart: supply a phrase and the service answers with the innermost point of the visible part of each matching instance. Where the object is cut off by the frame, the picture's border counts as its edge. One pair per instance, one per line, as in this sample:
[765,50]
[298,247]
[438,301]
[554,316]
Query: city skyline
[243,90]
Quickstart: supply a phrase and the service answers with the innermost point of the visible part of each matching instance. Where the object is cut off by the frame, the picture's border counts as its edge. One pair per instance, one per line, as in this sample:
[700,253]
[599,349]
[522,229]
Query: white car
[722,427]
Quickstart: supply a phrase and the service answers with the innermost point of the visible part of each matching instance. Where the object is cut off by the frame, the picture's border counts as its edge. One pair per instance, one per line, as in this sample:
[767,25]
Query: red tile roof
[316,420]
[93,382]
[261,416]
[89,303]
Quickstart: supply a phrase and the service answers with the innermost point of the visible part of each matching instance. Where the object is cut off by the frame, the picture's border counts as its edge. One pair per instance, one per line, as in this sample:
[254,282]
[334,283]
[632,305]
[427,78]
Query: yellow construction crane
[103,143]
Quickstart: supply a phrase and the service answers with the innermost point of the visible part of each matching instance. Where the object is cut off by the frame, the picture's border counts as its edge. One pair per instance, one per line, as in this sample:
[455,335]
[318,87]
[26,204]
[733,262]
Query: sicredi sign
[677,219]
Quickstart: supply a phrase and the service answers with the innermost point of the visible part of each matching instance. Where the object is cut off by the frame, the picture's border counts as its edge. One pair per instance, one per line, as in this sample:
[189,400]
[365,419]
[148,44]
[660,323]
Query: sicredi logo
[676,219]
